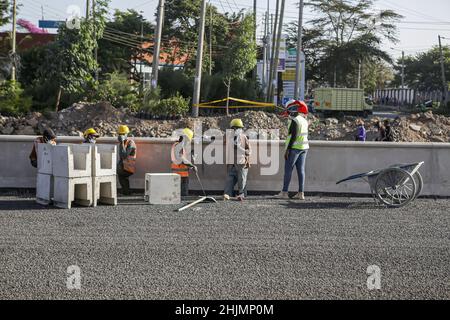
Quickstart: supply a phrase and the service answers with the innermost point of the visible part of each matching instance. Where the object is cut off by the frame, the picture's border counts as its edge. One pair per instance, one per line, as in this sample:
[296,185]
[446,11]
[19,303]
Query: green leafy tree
[423,70]
[344,34]
[240,56]
[120,46]
[4,12]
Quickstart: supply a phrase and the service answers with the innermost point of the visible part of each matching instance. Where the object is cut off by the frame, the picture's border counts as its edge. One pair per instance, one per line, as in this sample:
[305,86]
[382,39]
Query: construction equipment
[395,186]
[205,198]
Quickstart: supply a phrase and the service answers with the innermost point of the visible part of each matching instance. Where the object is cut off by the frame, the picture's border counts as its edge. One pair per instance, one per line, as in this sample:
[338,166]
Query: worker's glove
[195,169]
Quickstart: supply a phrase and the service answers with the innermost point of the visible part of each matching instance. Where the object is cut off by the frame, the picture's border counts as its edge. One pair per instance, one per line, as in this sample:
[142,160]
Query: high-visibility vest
[177,166]
[129,163]
[301,140]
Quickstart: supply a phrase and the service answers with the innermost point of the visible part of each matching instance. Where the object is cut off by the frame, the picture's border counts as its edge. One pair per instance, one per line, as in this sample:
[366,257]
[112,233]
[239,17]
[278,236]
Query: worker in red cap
[296,147]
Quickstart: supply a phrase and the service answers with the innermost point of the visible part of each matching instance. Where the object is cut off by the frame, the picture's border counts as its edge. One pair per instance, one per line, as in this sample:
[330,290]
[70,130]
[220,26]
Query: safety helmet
[91,132]
[123,129]
[296,106]
[188,133]
[236,123]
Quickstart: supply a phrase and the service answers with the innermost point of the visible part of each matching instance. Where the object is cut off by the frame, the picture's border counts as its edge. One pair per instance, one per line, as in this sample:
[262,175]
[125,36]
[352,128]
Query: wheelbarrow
[395,186]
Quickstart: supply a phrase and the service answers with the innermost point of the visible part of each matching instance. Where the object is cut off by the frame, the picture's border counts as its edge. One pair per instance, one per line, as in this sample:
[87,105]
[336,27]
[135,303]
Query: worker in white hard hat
[126,166]
[179,157]
[238,163]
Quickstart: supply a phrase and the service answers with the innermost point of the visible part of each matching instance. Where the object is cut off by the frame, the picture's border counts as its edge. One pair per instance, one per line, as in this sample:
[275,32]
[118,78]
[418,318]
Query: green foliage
[173,106]
[343,34]
[423,71]
[4,12]
[13,101]
[173,81]
[118,90]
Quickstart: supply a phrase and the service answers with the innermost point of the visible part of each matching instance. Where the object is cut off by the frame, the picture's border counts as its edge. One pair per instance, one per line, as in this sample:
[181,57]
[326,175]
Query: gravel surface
[262,249]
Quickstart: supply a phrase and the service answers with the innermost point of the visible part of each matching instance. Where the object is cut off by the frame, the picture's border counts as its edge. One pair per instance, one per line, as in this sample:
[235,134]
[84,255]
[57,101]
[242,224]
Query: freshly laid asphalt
[260,249]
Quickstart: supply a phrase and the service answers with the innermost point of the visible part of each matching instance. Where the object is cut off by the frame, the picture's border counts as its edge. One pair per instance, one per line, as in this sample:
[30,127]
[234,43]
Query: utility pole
[298,71]
[444,81]
[277,50]
[403,69]
[88,6]
[210,37]
[157,45]
[96,41]
[264,67]
[14,31]
[273,63]
[359,74]
[255,70]
[141,75]
[199,62]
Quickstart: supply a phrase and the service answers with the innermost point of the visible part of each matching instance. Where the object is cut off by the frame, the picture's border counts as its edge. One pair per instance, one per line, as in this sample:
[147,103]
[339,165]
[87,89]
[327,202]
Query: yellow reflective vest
[301,140]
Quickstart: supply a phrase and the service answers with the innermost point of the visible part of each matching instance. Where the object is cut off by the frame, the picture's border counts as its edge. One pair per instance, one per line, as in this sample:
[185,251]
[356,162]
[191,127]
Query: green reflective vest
[301,140]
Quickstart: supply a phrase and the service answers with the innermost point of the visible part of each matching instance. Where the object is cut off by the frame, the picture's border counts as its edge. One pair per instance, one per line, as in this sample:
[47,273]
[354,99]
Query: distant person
[90,136]
[360,131]
[126,166]
[180,159]
[388,131]
[296,148]
[48,137]
[381,131]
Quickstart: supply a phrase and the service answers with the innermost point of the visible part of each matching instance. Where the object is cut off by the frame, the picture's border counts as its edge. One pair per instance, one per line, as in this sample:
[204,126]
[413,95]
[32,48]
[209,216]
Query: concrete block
[68,190]
[163,188]
[44,188]
[105,190]
[72,160]
[104,160]
[44,158]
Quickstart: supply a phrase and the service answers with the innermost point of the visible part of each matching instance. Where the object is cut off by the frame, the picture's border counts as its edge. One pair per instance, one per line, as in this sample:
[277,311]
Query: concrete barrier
[327,163]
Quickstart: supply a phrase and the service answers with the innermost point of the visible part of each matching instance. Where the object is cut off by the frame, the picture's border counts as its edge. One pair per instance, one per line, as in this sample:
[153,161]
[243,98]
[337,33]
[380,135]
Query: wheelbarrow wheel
[419,183]
[395,187]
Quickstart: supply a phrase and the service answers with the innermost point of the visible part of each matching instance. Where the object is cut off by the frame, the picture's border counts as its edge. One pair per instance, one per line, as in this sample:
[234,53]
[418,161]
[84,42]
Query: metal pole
[199,63]
[297,90]
[95,38]
[88,6]
[444,81]
[403,69]
[273,64]
[141,76]
[264,66]
[157,45]
[277,50]
[210,37]
[255,70]
[14,31]
[359,74]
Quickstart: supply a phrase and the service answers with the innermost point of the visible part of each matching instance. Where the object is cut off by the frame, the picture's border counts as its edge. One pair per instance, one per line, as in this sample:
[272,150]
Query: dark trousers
[124,180]
[184,186]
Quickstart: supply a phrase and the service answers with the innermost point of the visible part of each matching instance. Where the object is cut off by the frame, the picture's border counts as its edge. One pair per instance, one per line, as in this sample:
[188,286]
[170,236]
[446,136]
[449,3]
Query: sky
[423,20]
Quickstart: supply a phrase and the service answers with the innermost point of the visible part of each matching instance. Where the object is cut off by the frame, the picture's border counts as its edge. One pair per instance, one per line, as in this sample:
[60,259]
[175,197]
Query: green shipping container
[341,100]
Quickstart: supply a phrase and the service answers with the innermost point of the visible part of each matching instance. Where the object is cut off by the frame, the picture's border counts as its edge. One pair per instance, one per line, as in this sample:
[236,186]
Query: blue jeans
[297,159]
[236,173]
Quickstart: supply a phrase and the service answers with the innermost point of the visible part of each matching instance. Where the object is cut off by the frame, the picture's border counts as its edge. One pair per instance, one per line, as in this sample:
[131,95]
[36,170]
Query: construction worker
[47,137]
[296,147]
[360,131]
[180,162]
[237,161]
[90,136]
[127,159]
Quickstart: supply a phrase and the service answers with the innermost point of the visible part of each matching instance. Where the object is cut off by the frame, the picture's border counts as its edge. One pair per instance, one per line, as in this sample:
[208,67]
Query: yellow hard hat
[236,123]
[188,133]
[123,129]
[91,131]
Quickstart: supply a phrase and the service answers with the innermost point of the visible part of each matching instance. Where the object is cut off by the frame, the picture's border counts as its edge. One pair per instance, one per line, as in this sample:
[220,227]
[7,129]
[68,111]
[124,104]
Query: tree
[125,28]
[4,12]
[240,57]
[423,70]
[344,34]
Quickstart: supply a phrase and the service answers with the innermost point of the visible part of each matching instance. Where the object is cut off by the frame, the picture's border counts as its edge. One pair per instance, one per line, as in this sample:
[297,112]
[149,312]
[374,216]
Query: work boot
[283,195]
[240,197]
[299,196]
[226,197]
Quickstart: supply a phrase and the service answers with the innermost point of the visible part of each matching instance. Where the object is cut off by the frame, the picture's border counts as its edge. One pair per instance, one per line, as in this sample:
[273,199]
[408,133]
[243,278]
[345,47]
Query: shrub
[118,90]
[12,99]
[174,106]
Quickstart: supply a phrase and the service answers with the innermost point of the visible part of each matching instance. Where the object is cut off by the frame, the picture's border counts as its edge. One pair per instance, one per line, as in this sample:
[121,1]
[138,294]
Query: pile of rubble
[424,127]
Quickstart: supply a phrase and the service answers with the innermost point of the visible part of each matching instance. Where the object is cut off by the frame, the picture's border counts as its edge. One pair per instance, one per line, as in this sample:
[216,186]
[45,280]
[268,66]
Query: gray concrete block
[104,160]
[105,190]
[163,188]
[72,160]
[44,158]
[68,190]
[44,188]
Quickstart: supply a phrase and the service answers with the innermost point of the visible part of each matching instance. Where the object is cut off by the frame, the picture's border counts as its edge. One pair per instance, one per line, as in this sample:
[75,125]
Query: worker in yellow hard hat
[90,136]
[126,166]
[238,160]
[180,161]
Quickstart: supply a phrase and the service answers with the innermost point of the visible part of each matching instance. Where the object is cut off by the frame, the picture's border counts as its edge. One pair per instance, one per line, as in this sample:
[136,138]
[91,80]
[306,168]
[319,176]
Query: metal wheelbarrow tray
[395,186]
